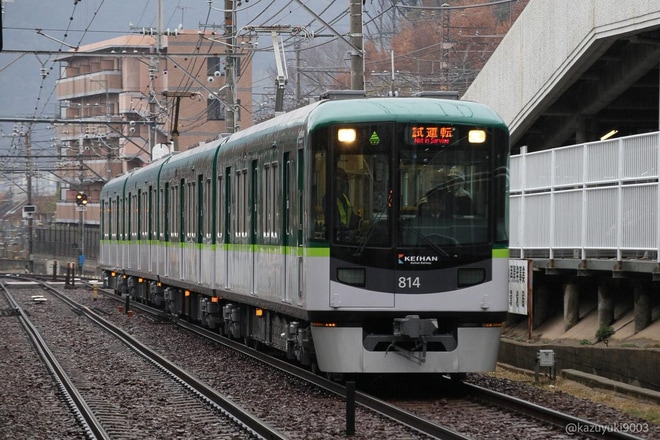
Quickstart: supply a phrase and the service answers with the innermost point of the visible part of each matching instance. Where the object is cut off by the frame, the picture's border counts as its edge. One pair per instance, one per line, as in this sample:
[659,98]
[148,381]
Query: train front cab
[407,293]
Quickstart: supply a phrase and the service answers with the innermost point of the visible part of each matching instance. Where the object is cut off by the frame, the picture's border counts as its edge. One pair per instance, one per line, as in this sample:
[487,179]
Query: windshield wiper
[370,232]
[430,242]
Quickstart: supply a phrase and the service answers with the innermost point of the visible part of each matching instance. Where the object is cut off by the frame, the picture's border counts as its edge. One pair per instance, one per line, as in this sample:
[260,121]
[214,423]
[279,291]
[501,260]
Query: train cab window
[445,190]
[352,185]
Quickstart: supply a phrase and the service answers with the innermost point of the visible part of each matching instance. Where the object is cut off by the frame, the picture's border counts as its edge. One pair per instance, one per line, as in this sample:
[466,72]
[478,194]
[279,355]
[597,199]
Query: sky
[27,80]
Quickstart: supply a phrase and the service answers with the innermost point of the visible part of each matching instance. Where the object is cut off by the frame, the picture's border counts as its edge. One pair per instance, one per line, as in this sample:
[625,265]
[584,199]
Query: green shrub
[603,334]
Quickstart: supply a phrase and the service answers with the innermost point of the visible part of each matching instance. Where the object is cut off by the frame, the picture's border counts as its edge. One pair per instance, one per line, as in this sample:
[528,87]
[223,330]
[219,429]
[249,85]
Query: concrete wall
[628,365]
[550,43]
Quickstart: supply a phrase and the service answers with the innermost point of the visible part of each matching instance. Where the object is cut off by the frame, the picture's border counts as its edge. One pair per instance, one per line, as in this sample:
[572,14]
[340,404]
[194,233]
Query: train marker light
[259,312]
[215,299]
[346,135]
[477,136]
[323,324]
[186,293]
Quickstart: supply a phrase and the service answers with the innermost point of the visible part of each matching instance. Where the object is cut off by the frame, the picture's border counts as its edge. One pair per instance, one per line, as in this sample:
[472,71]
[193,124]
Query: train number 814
[409,282]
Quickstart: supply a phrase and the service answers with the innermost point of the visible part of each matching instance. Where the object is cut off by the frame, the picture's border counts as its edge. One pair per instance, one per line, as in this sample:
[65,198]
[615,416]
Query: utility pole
[175,123]
[446,46]
[230,110]
[298,66]
[356,41]
[81,150]
[28,178]
[357,54]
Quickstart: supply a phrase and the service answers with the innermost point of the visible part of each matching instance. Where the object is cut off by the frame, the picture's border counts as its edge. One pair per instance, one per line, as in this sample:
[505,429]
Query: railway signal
[81,199]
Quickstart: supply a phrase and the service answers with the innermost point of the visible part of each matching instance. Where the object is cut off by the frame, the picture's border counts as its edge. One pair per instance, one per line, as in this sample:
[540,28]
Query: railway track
[534,421]
[140,393]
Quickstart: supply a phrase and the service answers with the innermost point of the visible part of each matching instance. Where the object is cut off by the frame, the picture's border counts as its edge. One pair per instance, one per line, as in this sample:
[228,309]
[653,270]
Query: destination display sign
[423,134]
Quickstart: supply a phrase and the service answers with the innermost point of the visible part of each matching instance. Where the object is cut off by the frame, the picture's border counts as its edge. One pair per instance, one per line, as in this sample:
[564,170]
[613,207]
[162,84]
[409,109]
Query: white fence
[593,200]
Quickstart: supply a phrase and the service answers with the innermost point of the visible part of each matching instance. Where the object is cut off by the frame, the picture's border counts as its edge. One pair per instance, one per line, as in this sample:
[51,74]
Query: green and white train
[397,276]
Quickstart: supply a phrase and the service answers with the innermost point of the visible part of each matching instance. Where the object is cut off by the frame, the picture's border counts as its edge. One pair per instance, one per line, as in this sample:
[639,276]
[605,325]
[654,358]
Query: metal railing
[592,200]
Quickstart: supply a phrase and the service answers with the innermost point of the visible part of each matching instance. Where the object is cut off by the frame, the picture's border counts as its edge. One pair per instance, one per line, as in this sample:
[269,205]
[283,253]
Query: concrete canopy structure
[574,70]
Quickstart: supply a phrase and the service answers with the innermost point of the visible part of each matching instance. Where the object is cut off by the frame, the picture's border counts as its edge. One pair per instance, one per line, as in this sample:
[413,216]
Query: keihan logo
[416,259]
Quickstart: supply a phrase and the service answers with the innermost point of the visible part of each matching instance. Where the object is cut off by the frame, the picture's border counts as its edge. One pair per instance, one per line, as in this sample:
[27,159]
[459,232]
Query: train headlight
[477,136]
[346,135]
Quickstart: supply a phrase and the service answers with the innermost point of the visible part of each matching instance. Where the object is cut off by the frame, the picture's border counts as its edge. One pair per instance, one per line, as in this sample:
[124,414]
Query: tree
[444,48]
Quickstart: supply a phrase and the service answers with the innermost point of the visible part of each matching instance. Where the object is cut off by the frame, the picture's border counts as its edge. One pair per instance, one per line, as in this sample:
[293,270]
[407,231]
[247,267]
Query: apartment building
[134,98]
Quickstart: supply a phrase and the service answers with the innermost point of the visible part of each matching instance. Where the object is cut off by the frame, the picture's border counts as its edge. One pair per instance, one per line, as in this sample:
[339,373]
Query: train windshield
[444,185]
[402,185]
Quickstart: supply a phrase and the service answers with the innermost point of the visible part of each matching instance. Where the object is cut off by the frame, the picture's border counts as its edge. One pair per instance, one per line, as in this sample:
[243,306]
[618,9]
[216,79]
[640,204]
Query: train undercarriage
[410,343]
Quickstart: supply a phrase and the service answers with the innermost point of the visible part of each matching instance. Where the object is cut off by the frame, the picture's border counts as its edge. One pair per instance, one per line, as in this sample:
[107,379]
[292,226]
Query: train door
[128,231]
[228,229]
[167,213]
[286,229]
[138,230]
[150,229]
[207,232]
[199,227]
[252,218]
[183,225]
[290,241]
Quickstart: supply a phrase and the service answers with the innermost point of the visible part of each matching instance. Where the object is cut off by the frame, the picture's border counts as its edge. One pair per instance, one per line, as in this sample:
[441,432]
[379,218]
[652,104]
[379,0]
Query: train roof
[399,109]
[405,110]
[330,112]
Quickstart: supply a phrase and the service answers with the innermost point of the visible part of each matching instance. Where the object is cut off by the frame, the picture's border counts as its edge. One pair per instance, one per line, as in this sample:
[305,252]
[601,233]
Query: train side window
[317,183]
[240,203]
[174,219]
[191,212]
[166,212]
[139,215]
[117,210]
[275,201]
[102,220]
[150,214]
[266,210]
[271,209]
[219,211]
[129,222]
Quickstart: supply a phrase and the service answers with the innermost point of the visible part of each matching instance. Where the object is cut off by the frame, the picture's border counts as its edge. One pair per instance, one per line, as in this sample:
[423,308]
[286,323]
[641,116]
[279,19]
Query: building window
[215,110]
[215,64]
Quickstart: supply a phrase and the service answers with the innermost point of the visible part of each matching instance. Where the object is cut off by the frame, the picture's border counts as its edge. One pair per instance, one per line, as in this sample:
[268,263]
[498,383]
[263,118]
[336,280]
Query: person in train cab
[447,198]
[462,199]
[346,218]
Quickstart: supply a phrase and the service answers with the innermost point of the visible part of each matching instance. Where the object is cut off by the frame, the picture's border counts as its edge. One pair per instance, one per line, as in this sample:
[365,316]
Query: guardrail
[591,200]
